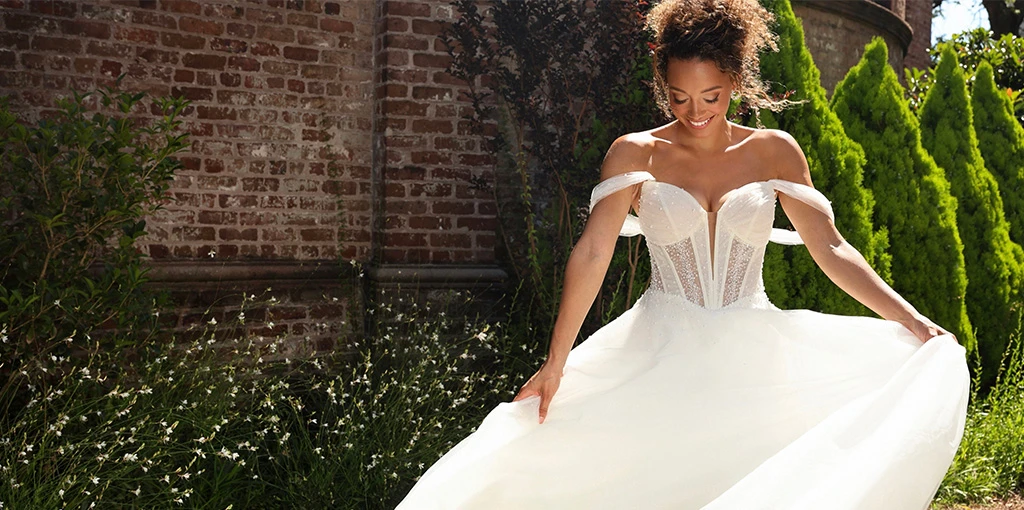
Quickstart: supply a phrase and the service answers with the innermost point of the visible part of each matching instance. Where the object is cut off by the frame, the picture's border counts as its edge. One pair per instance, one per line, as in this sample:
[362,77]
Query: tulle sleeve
[631,226]
[805,194]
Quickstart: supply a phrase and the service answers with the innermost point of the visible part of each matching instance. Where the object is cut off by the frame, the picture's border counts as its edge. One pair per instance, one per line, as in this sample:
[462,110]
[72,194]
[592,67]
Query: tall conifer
[993,260]
[912,195]
[1001,141]
[836,162]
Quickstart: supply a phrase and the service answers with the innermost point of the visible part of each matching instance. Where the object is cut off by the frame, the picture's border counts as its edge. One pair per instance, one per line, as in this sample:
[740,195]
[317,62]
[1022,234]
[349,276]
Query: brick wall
[919,17]
[427,153]
[320,130]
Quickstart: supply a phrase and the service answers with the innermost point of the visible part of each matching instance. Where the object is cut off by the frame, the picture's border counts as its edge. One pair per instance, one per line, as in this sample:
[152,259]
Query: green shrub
[913,196]
[1005,55]
[218,424]
[1001,141]
[793,280]
[993,260]
[75,193]
[990,462]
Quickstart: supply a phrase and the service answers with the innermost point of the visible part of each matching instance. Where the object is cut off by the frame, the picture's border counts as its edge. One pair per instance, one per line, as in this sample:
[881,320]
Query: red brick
[236,97]
[216,113]
[430,222]
[187,42]
[299,87]
[431,60]
[337,25]
[452,207]
[410,108]
[192,93]
[483,224]
[434,93]
[241,30]
[184,76]
[303,20]
[407,9]
[223,11]
[274,33]
[28,23]
[234,234]
[394,24]
[281,68]
[316,234]
[200,26]
[243,64]
[218,218]
[60,44]
[85,28]
[426,27]
[406,42]
[110,68]
[15,41]
[443,240]
[182,6]
[189,233]
[431,126]
[204,61]
[317,72]
[260,184]
[302,54]
[54,8]
[405,239]
[109,49]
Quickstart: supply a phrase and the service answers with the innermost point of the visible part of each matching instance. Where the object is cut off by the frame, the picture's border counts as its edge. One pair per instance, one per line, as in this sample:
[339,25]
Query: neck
[716,142]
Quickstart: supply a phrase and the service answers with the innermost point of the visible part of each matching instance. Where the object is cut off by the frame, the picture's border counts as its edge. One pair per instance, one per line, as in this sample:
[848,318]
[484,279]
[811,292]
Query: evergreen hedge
[913,199]
[1001,141]
[993,260]
[792,279]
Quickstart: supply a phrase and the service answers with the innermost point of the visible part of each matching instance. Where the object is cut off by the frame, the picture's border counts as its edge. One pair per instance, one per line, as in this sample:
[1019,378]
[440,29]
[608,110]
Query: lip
[700,125]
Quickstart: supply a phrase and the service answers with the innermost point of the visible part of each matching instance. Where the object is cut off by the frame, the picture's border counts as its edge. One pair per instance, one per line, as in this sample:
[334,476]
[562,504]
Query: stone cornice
[866,12]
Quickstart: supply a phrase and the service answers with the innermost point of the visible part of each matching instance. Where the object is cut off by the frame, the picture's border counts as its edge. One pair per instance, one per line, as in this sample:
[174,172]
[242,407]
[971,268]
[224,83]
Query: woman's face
[698,93]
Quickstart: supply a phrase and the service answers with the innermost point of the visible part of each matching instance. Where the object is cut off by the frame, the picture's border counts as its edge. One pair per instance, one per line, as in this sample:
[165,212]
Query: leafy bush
[566,79]
[215,424]
[990,462]
[75,191]
[994,272]
[1001,141]
[912,193]
[792,279]
[1005,55]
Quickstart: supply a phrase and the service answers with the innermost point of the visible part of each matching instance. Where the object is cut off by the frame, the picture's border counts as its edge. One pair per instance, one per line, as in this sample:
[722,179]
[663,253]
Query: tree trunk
[1005,19]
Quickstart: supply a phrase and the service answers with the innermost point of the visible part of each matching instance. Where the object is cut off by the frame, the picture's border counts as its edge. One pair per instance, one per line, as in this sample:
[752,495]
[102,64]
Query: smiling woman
[704,394]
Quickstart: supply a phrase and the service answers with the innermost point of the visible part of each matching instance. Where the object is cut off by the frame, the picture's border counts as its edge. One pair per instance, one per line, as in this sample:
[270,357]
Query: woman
[703,394]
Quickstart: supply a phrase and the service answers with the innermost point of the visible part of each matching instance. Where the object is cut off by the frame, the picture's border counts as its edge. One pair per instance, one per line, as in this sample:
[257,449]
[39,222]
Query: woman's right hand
[543,384]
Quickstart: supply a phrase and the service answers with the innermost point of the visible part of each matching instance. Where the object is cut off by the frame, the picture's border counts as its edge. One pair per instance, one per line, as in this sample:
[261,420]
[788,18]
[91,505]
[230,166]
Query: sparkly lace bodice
[709,267]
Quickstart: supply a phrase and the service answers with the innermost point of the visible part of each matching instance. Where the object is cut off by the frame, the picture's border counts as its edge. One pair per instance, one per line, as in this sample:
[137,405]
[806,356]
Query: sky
[957,16]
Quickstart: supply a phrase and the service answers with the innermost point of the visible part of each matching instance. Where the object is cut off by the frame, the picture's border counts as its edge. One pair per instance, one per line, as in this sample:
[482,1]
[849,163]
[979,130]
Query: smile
[702,123]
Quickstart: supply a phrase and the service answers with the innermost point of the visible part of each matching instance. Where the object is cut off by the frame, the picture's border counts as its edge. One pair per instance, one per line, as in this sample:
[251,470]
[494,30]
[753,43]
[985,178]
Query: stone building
[322,131]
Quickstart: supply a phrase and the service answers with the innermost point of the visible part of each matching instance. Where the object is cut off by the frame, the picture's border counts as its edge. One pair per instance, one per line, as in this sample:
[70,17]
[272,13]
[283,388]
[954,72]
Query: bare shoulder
[788,159]
[629,152]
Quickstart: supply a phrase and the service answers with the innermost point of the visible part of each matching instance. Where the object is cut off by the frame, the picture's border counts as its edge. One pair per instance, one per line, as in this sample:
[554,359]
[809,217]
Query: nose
[695,110]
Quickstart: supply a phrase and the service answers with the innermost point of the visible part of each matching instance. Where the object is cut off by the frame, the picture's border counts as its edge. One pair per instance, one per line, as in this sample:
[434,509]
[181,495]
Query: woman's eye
[713,101]
[678,101]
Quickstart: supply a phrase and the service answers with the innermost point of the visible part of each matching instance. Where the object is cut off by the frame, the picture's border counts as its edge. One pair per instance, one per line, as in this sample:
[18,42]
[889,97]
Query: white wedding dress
[704,395]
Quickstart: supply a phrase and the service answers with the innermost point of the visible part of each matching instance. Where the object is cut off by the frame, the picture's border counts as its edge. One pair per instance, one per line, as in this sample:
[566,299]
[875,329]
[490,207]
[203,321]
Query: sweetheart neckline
[724,199]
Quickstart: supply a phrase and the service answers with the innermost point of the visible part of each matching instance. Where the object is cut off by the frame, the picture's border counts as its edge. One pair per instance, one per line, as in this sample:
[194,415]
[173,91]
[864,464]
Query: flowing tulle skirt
[671,407]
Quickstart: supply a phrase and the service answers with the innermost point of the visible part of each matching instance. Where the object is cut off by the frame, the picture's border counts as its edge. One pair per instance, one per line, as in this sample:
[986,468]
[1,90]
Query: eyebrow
[716,87]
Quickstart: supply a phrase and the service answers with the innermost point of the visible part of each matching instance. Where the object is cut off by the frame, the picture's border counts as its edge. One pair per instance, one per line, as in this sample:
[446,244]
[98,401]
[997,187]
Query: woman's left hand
[924,328]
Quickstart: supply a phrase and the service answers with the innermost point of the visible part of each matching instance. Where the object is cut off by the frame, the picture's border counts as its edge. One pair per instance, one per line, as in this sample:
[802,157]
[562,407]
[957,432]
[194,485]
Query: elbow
[589,251]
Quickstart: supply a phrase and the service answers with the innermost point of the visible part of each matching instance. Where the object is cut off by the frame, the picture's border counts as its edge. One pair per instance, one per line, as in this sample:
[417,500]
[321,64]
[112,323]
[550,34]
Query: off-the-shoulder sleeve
[805,194]
[631,226]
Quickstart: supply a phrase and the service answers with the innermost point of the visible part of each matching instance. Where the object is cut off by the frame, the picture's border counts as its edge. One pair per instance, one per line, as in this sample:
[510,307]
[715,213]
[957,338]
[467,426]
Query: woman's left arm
[839,260]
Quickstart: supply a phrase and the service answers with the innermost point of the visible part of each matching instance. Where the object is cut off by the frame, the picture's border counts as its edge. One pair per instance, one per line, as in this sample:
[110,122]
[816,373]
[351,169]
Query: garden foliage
[74,193]
[993,261]
[567,80]
[913,199]
[792,278]
[1001,141]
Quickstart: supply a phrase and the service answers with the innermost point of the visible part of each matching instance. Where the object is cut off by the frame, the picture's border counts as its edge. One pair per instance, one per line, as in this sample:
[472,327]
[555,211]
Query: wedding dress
[704,395]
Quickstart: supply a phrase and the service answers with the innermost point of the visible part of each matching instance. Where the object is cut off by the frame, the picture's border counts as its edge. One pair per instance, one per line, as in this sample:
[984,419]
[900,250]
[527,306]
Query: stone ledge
[866,12]
[434,276]
[201,271]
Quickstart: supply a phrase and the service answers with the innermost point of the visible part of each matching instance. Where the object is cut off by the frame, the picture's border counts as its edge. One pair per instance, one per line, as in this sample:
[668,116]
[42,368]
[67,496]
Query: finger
[525,392]
[545,401]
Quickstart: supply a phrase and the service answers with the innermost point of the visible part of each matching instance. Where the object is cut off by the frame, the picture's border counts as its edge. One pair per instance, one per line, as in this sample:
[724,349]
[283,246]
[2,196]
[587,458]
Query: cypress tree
[1001,141]
[913,199]
[836,163]
[993,260]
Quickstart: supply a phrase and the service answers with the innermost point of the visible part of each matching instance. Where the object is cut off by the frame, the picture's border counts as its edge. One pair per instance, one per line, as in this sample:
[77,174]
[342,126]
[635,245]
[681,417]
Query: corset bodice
[712,260]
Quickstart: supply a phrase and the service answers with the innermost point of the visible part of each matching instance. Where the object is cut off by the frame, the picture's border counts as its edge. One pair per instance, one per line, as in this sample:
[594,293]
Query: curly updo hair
[730,33]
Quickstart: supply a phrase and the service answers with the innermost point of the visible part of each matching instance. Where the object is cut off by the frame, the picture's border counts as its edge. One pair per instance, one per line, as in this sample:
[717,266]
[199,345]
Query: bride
[704,394]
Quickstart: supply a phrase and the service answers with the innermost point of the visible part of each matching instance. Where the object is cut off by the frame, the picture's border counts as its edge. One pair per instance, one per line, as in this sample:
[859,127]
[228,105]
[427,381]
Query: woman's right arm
[586,268]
